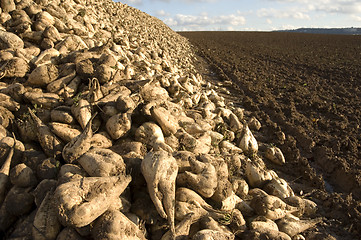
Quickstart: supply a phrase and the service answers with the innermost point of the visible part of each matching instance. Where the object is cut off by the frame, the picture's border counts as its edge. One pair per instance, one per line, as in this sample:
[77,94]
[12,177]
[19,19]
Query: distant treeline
[347,31]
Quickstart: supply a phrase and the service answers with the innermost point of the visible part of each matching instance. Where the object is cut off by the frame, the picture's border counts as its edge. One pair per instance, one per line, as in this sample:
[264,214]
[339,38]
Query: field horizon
[330,31]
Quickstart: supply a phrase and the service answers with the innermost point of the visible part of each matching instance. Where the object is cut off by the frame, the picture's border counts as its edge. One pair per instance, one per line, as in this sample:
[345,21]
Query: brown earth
[308,87]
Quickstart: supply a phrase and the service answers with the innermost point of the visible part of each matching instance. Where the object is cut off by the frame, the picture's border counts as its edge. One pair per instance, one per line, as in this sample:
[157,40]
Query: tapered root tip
[172,231]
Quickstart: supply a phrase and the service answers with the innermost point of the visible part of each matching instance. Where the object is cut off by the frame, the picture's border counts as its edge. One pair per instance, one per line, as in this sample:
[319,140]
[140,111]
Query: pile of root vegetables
[108,132]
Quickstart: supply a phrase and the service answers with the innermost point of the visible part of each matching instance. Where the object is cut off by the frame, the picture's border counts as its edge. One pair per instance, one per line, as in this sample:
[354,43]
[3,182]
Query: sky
[253,15]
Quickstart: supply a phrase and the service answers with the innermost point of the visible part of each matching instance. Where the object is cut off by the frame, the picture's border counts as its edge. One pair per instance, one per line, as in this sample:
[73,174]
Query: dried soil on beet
[308,87]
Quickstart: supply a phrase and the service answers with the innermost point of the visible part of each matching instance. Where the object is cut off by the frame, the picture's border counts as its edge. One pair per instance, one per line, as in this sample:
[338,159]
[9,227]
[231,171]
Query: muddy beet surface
[308,87]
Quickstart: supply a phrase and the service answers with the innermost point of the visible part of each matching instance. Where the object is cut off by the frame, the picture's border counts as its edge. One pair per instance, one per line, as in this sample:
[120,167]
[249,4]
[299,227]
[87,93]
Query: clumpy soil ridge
[306,86]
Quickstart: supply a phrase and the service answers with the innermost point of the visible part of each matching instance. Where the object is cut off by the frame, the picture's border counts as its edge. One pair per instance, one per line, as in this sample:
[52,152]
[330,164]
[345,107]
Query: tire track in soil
[315,129]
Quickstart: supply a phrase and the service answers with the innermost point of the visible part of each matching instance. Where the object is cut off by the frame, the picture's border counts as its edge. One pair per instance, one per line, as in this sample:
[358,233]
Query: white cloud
[269,21]
[356,18]
[161,13]
[346,7]
[286,13]
[330,6]
[287,27]
[230,28]
[190,1]
[133,2]
[140,2]
[205,22]
[171,22]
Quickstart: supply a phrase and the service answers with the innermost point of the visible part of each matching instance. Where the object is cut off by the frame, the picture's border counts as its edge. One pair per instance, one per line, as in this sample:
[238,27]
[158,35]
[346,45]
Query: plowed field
[308,87]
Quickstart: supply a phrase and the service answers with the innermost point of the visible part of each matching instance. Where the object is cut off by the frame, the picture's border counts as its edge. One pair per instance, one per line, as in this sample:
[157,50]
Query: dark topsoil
[307,86]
